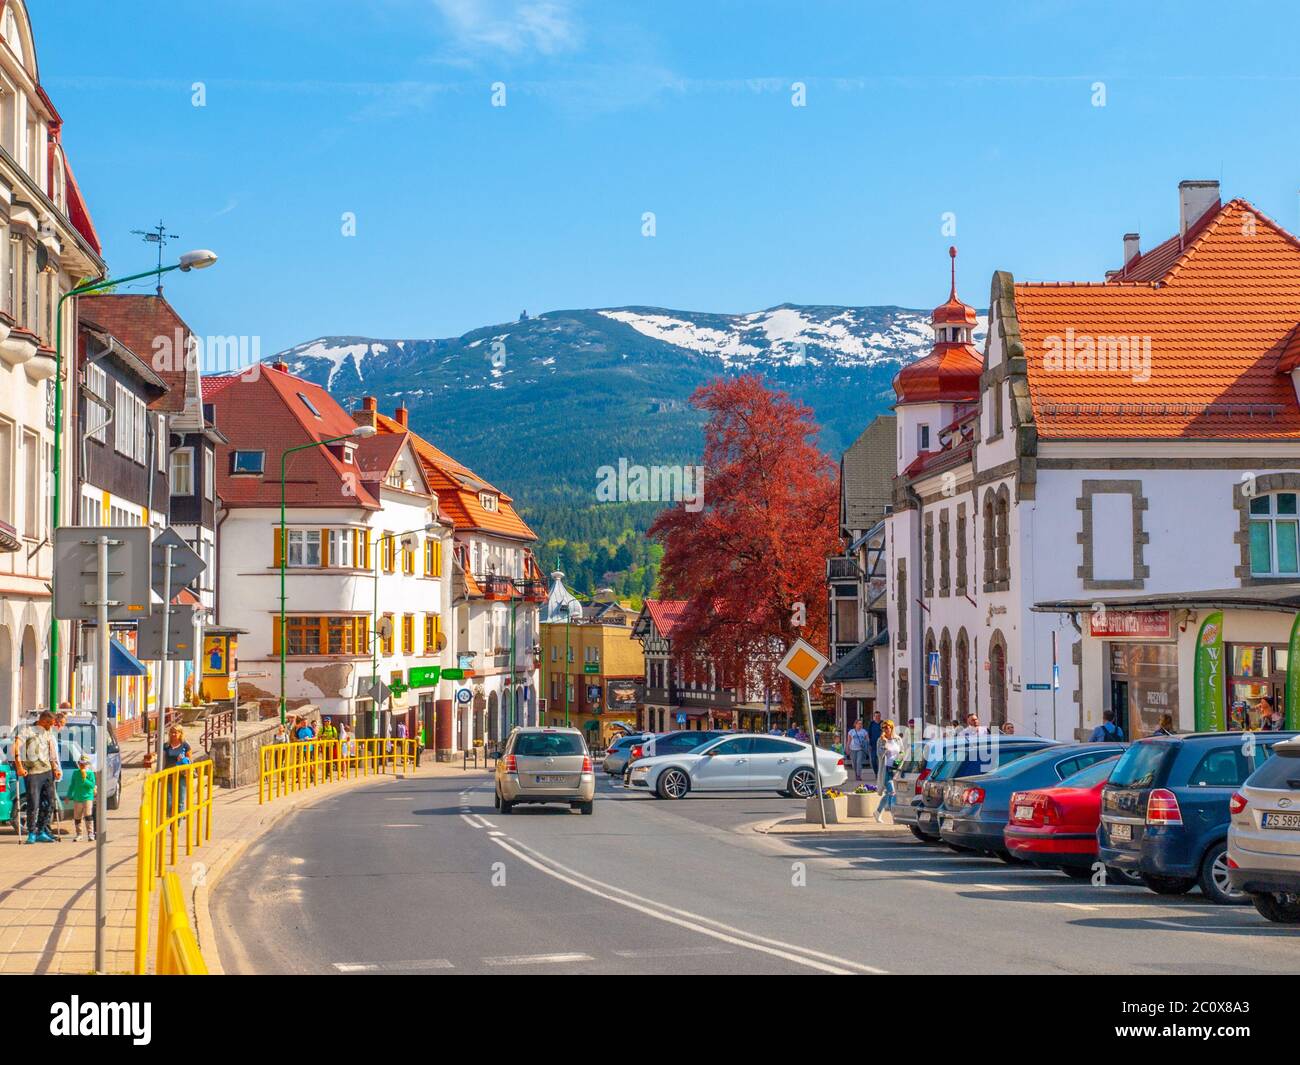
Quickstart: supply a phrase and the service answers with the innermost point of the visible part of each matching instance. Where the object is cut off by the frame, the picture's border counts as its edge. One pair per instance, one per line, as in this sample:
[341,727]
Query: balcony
[841,568]
[507,589]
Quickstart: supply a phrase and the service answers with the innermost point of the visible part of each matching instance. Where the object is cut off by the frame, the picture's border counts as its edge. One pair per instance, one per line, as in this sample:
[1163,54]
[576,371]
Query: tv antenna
[161,237]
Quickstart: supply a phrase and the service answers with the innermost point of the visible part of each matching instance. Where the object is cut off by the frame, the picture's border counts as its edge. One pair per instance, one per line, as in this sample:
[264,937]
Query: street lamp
[360,432]
[191,260]
[430,529]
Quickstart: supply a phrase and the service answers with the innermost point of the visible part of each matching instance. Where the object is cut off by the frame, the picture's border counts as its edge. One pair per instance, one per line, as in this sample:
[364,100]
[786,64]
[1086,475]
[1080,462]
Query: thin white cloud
[515,27]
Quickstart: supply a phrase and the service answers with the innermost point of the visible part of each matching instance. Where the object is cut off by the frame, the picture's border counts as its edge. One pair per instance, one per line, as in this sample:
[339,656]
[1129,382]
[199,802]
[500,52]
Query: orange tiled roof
[1219,327]
[458,488]
[666,614]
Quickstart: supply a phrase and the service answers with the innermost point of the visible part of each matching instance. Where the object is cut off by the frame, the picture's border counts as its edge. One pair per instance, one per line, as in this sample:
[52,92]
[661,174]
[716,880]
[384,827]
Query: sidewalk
[47,891]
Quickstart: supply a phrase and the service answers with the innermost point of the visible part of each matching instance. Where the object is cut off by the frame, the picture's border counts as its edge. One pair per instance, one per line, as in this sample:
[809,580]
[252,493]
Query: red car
[1057,827]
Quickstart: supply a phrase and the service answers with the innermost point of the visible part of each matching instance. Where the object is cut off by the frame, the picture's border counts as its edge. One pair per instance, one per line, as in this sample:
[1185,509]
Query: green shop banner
[1293,678]
[1209,675]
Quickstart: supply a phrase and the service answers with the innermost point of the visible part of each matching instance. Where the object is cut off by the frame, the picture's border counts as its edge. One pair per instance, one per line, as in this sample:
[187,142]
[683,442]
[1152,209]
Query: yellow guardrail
[290,767]
[178,951]
[175,811]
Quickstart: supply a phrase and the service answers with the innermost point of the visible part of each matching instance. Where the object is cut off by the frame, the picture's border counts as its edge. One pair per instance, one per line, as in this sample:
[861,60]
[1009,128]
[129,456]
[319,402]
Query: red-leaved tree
[757,549]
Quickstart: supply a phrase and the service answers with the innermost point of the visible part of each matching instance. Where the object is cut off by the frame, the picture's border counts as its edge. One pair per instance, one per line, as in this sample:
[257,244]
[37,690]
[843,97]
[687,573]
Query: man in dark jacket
[873,742]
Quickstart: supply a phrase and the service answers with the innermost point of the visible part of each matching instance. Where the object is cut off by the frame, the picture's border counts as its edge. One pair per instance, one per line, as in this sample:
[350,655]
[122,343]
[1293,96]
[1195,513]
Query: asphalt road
[423,875]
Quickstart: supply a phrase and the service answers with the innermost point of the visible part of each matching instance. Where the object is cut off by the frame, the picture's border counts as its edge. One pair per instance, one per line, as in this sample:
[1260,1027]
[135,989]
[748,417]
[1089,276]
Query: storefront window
[1257,682]
[1143,685]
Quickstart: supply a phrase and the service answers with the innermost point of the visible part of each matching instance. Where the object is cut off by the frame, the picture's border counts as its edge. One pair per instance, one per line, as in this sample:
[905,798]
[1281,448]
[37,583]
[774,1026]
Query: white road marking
[538,959]
[485,821]
[693,922]
[1077,906]
[473,820]
[1207,927]
[402,826]
[672,952]
[371,967]
[348,967]
[496,833]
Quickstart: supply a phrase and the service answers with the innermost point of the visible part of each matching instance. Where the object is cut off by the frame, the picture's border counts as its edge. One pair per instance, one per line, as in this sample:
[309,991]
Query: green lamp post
[360,432]
[191,260]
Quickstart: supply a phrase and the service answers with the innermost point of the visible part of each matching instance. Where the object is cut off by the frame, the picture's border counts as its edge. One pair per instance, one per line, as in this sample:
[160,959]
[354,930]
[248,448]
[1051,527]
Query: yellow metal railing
[178,951]
[290,767]
[175,811]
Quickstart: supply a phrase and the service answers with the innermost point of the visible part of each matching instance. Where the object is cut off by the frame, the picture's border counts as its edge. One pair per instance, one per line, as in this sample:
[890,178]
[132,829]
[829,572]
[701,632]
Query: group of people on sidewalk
[39,765]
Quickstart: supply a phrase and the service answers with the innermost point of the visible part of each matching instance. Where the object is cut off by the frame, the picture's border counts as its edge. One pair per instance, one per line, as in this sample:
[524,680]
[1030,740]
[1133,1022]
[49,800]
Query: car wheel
[1169,885]
[1281,909]
[803,784]
[919,834]
[587,807]
[1123,876]
[1214,881]
[673,784]
[114,801]
[503,806]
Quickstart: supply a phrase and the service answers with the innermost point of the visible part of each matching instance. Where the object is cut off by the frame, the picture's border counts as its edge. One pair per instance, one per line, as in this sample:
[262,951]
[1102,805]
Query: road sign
[464,695]
[1038,687]
[803,664]
[932,669]
[76,570]
[423,676]
[180,635]
[186,564]
[1056,675]
[378,691]
[591,667]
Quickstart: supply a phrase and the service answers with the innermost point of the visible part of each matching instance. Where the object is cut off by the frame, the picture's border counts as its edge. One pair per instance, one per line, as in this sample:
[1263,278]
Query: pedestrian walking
[1107,731]
[858,740]
[873,739]
[32,752]
[81,793]
[176,751]
[890,748]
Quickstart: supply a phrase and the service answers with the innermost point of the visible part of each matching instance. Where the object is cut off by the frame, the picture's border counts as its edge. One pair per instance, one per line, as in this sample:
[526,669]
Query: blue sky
[468,213]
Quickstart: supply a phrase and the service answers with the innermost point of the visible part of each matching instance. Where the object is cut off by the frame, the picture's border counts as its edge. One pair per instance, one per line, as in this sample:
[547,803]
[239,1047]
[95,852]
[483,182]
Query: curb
[204,929]
[783,826]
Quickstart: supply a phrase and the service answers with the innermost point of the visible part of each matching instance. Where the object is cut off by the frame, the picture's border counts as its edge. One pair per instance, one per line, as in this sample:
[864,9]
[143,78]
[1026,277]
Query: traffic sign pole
[166,657]
[102,689]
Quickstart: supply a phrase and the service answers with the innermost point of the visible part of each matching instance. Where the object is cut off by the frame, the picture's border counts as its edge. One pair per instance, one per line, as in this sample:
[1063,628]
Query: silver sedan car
[545,765]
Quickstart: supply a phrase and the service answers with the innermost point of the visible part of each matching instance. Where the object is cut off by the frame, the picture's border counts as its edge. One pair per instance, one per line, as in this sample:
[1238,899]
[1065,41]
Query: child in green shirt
[81,792]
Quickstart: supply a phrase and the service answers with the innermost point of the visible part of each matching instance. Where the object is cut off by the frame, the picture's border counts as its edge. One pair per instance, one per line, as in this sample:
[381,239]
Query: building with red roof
[366,553]
[497,586]
[1112,487]
[48,245]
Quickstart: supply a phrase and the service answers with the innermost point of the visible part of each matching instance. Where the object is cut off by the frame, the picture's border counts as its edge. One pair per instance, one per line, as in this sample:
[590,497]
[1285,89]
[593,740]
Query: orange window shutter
[275,632]
[324,547]
[278,550]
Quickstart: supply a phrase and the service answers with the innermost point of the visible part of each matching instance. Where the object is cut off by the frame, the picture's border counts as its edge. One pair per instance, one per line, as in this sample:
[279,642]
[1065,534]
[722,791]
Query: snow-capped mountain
[539,404]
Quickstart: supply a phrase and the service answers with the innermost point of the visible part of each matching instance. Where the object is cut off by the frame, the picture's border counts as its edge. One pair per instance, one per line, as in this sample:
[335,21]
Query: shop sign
[1130,625]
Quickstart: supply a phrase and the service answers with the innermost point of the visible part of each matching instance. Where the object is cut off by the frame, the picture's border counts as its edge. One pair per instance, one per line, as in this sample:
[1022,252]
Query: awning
[122,663]
[1284,596]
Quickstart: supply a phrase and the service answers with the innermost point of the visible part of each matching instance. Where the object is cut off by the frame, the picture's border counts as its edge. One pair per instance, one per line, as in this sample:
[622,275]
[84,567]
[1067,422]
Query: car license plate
[1024,813]
[1121,832]
[1273,820]
[550,780]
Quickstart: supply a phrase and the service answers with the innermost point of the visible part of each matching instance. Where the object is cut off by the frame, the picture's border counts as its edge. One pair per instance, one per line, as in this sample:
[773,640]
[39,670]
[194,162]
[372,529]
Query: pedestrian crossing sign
[803,664]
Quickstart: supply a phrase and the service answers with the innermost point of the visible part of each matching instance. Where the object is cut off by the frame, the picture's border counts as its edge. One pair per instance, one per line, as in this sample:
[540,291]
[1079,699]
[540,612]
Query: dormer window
[248,462]
[488,502]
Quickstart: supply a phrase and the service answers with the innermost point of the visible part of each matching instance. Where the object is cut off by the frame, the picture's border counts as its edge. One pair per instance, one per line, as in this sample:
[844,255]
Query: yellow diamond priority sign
[803,664]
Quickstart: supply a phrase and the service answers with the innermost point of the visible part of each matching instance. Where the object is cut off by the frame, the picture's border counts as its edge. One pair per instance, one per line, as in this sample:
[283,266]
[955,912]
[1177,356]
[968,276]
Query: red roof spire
[951,372]
[954,312]
[952,254]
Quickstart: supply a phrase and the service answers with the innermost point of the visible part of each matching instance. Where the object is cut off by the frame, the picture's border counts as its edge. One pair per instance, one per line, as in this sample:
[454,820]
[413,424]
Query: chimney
[368,414]
[282,366]
[1131,250]
[369,403]
[399,416]
[1194,199]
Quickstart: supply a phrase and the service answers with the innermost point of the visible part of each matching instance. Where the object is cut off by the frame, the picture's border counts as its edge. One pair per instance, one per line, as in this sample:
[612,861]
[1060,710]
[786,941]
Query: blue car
[1164,810]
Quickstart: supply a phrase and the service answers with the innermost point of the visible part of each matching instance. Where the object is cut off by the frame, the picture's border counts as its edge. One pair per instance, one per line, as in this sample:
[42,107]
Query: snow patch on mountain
[336,355]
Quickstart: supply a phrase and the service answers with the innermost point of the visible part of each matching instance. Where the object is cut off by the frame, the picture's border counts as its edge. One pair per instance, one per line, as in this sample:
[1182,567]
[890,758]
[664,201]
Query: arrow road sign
[186,564]
[180,635]
[76,569]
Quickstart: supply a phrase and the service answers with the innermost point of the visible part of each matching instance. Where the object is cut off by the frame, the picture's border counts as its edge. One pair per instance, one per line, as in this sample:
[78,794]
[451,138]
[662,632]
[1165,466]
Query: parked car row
[1219,811]
[670,765]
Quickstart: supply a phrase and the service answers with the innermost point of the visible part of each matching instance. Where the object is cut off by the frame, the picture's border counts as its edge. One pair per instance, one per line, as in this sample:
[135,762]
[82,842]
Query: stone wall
[252,735]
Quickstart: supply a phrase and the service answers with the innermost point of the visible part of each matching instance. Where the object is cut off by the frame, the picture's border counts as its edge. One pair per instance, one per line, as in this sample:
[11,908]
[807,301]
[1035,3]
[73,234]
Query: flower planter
[837,810]
[862,804]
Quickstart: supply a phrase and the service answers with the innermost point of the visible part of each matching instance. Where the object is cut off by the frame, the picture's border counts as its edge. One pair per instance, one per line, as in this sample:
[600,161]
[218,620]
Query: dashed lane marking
[538,959]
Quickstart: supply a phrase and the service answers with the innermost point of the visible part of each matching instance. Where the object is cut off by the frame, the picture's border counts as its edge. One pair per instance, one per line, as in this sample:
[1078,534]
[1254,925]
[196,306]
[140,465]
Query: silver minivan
[545,765]
[1264,835]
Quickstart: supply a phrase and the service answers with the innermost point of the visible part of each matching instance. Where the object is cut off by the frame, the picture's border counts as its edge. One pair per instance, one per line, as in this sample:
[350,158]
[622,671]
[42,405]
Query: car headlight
[640,770]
